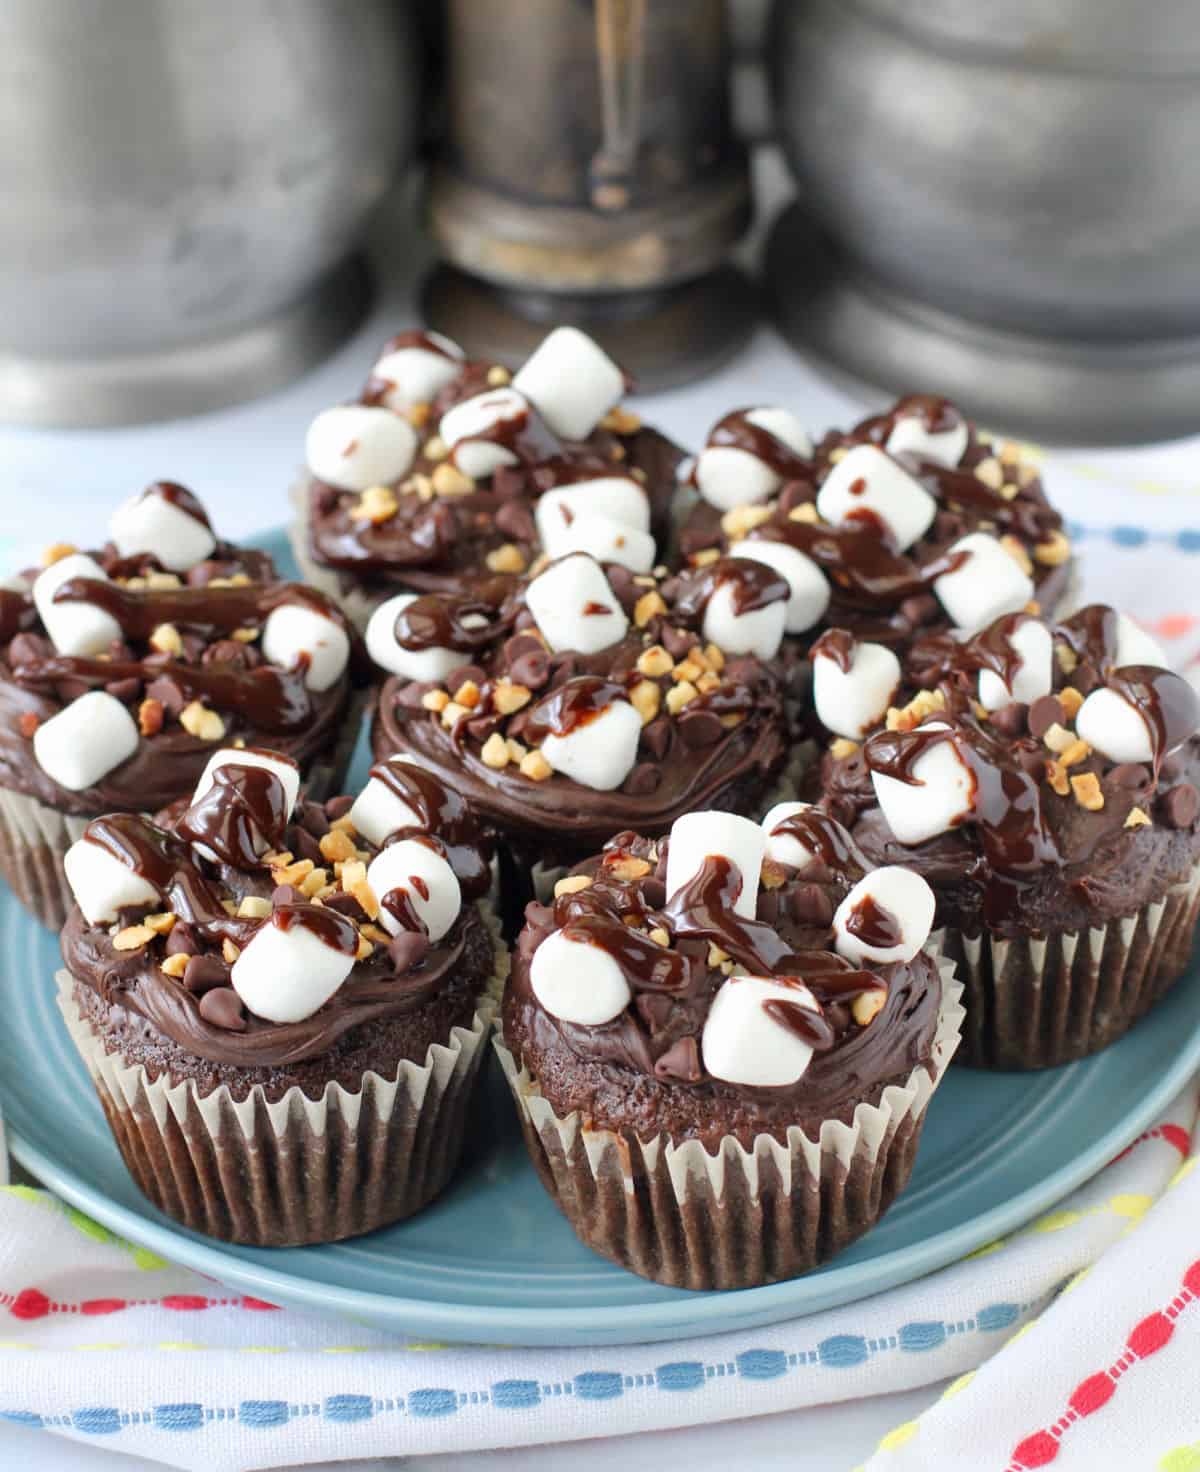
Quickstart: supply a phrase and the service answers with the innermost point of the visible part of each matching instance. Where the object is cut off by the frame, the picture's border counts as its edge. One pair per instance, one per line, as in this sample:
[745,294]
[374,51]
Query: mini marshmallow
[903,895]
[235,756]
[911,435]
[601,752]
[574,606]
[149,522]
[865,482]
[727,476]
[102,884]
[608,541]
[942,795]
[616,496]
[355,447]
[849,702]
[85,741]
[699,836]
[989,583]
[412,664]
[74,628]
[810,591]
[1033,642]
[292,630]
[743,1044]
[378,812]
[1135,646]
[572,381]
[287,975]
[1115,728]
[415,375]
[785,848]
[425,877]
[759,631]
[462,427]
[577,982]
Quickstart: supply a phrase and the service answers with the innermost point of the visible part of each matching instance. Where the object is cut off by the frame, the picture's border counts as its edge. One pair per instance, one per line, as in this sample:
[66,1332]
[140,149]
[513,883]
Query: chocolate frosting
[255,700]
[395,981]
[644,1070]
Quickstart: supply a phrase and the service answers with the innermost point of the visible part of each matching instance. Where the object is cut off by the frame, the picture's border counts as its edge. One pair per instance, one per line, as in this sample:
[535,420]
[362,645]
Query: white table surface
[62,485]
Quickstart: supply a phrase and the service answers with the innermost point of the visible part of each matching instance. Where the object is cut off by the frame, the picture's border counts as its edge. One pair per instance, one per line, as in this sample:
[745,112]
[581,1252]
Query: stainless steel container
[1002,200]
[183,187]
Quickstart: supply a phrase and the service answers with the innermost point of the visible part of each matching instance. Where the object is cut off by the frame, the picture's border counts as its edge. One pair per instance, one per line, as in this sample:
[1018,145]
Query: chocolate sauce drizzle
[241,815]
[441,810]
[737,432]
[754,585]
[437,622]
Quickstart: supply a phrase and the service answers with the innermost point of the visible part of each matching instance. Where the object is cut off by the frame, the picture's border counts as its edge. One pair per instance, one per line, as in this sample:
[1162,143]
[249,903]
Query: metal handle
[621,49]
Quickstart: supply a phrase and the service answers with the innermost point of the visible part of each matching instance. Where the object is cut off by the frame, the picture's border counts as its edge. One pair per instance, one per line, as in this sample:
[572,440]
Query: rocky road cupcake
[869,527]
[449,474]
[1043,779]
[593,700]
[121,672]
[284,1046]
[722,1044]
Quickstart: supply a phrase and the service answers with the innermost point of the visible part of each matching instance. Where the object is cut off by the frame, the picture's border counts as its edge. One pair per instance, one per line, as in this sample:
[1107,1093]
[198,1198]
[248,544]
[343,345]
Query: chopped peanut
[365,896]
[312,884]
[621,421]
[436,448]
[344,824]
[419,414]
[707,682]
[734,718]
[1010,490]
[374,934]
[176,965]
[197,720]
[498,375]
[1016,550]
[1068,660]
[376,504]
[508,558]
[1138,818]
[453,713]
[627,867]
[508,697]
[1058,738]
[704,557]
[495,752]
[132,938]
[659,936]
[646,607]
[1054,551]
[294,873]
[448,480]
[467,694]
[842,747]
[572,884]
[435,700]
[161,924]
[1086,788]
[418,485]
[229,952]
[56,552]
[1056,775]
[167,639]
[254,907]
[772,874]
[990,472]
[806,512]
[1077,752]
[245,636]
[687,669]
[680,695]
[646,699]
[353,872]
[535,765]
[336,845]
[654,662]
[715,657]
[1070,700]
[867,1006]
[742,519]
[839,454]
[716,956]
[516,752]
[365,948]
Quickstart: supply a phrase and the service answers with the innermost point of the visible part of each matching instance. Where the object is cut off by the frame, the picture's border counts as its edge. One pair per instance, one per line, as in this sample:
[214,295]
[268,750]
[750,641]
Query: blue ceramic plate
[494,1261]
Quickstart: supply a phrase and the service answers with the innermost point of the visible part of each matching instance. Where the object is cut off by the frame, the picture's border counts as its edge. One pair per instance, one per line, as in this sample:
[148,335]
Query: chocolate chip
[654,1009]
[675,641]
[796,493]
[286,894]
[344,904]
[562,669]
[1129,775]
[1085,678]
[464,673]
[306,846]
[656,737]
[181,941]
[520,644]
[515,520]
[312,816]
[643,780]
[408,950]
[1181,805]
[412,696]
[767,907]
[126,690]
[168,692]
[620,580]
[1032,759]
[223,1008]
[681,1061]
[920,609]
[338,807]
[531,669]
[1010,720]
[700,728]
[507,482]
[653,891]
[809,904]
[29,649]
[205,972]
[1046,711]
[228,651]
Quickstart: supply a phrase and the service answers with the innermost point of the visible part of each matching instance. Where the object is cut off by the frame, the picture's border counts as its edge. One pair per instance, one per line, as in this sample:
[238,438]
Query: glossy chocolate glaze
[243,814]
[643,1072]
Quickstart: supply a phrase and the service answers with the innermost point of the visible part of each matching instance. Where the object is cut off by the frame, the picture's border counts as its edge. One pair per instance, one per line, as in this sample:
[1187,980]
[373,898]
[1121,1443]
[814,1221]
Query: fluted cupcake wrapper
[298,1170]
[33,840]
[354,603]
[1037,1001]
[738,1217]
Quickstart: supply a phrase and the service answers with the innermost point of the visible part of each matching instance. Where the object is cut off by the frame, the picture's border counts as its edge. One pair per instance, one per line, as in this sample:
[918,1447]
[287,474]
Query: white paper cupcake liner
[738,1217]
[1037,1001]
[298,1170]
[33,840]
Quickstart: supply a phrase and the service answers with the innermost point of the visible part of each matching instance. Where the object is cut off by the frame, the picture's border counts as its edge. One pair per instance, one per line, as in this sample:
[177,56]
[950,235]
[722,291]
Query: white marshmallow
[758,631]
[1108,722]
[902,894]
[74,628]
[355,447]
[600,753]
[1033,642]
[572,381]
[233,756]
[287,975]
[102,884]
[608,541]
[377,812]
[810,591]
[988,584]
[558,597]
[727,476]
[413,664]
[865,480]
[743,1044]
[941,796]
[1135,646]
[85,740]
[849,702]
[785,848]
[462,426]
[912,436]
[428,880]
[148,522]
[699,836]
[415,375]
[615,496]
[577,982]
[292,630]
